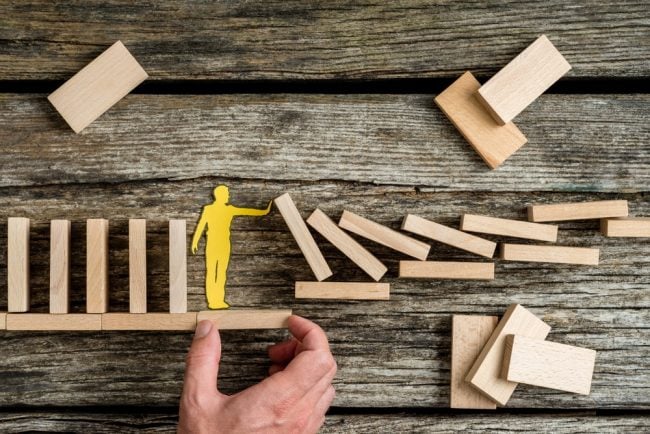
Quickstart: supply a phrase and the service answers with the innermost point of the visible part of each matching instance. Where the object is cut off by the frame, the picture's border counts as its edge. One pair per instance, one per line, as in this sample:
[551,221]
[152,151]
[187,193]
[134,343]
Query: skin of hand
[293,399]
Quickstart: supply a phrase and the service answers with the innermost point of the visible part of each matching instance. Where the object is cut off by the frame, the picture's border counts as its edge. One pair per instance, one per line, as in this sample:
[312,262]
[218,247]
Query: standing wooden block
[303,237]
[54,322]
[577,211]
[149,321]
[97,87]
[446,270]
[626,227]
[485,373]
[548,364]
[137,266]
[523,80]
[346,244]
[553,254]
[177,266]
[469,333]
[343,290]
[96,265]
[3,320]
[449,236]
[508,228]
[247,319]
[59,266]
[18,264]
[493,142]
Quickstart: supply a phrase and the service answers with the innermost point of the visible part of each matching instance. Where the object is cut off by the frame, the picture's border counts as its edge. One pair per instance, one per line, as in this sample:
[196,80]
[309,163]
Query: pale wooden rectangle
[343,290]
[494,143]
[18,296]
[60,266]
[523,80]
[446,270]
[97,265]
[3,320]
[469,333]
[247,319]
[508,228]
[577,211]
[551,254]
[485,373]
[177,266]
[626,227]
[548,364]
[346,244]
[149,321]
[303,237]
[53,321]
[137,266]
[449,236]
[97,87]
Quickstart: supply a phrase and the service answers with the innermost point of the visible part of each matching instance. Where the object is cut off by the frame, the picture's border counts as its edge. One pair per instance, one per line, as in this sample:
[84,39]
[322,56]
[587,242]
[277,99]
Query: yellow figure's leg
[210,273]
[220,284]
[217,259]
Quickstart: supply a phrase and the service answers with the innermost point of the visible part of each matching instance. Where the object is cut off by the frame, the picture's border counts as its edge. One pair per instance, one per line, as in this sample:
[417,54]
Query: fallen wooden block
[149,321]
[384,235]
[493,142]
[346,244]
[96,266]
[446,270]
[137,266]
[343,290]
[523,80]
[577,211]
[18,264]
[552,254]
[53,321]
[59,266]
[548,364]
[246,318]
[485,373]
[303,237]
[508,228]
[97,87]
[449,236]
[626,227]
[3,320]
[469,333]
[177,266]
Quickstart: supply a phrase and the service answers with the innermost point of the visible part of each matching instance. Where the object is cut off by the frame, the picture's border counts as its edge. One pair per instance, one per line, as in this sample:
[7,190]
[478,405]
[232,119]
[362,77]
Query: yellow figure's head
[221,194]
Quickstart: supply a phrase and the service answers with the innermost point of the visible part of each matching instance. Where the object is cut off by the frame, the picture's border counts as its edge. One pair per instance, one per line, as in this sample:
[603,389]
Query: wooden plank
[177,266]
[343,290]
[59,266]
[469,333]
[18,291]
[246,319]
[552,254]
[149,321]
[577,211]
[449,236]
[346,244]
[626,227]
[96,265]
[137,266]
[3,320]
[446,270]
[508,227]
[54,322]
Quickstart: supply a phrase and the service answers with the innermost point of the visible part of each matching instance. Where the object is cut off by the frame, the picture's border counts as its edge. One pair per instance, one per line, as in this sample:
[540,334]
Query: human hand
[294,399]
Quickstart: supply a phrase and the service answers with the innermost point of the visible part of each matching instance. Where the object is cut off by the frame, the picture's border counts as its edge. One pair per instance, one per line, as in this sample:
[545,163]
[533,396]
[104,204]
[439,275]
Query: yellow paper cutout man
[218,216]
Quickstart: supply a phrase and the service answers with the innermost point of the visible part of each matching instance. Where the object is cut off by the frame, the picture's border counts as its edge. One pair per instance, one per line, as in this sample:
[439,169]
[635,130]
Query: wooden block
[523,80]
[3,320]
[59,266]
[449,236]
[96,266]
[548,364]
[346,244]
[137,266]
[446,270]
[53,322]
[553,254]
[494,143]
[343,290]
[469,333]
[577,211]
[149,321]
[18,264]
[508,228]
[485,373]
[303,237]
[177,266]
[247,318]
[626,227]
[97,87]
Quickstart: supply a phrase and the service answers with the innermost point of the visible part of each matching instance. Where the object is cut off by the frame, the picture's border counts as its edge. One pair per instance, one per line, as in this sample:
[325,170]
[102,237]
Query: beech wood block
[177,266]
[59,266]
[3,320]
[346,244]
[303,237]
[18,264]
[523,80]
[54,322]
[494,143]
[552,254]
[384,235]
[626,227]
[469,333]
[343,290]
[247,318]
[446,270]
[149,321]
[137,266]
[97,87]
[449,236]
[96,266]
[577,211]
[485,373]
[508,228]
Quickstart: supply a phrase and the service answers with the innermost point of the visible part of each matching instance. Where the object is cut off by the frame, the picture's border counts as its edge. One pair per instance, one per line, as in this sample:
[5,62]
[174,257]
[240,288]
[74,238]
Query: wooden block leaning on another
[577,211]
[626,227]
[508,228]
[343,290]
[446,270]
[551,254]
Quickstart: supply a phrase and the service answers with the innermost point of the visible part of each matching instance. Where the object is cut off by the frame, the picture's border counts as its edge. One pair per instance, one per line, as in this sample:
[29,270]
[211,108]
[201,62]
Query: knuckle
[324,361]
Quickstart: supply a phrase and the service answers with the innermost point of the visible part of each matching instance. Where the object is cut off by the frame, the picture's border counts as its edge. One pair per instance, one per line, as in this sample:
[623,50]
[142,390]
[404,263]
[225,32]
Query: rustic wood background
[210,113]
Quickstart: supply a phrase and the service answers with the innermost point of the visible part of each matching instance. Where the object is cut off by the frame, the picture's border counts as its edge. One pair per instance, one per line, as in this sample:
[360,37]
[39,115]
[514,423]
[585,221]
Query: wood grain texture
[551,254]
[18,264]
[343,290]
[54,322]
[508,227]
[446,270]
[177,266]
[149,321]
[3,320]
[246,319]
[626,227]
[60,266]
[577,211]
[137,265]
[97,274]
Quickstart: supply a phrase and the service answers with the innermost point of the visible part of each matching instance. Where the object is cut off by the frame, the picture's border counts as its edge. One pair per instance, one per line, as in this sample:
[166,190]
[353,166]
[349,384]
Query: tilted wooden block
[508,228]
[343,290]
[447,235]
[53,321]
[469,333]
[3,320]
[523,80]
[247,318]
[626,227]
[96,266]
[303,237]
[494,143]
[97,87]
[548,364]
[18,264]
[137,266]
[346,244]
[177,266]
[446,270]
[149,321]
[485,373]
[59,266]
[552,254]
[577,211]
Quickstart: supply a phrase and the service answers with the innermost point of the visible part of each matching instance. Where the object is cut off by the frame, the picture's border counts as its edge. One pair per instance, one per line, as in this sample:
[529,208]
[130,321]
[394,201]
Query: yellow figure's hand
[268,208]
[195,248]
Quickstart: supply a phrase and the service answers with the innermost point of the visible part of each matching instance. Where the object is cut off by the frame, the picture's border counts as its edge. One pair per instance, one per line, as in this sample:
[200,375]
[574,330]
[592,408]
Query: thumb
[202,362]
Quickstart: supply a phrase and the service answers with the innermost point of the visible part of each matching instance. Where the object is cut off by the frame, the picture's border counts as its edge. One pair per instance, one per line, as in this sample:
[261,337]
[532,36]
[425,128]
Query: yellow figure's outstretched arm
[200,227]
[252,211]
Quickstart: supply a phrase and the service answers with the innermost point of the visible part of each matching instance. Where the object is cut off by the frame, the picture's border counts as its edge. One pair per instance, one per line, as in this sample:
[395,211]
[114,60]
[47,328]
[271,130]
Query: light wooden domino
[96,265]
[626,227]
[53,322]
[18,296]
[177,266]
[446,270]
[137,266]
[343,290]
[3,320]
[234,319]
[149,321]
[578,211]
[59,266]
[551,254]
[508,228]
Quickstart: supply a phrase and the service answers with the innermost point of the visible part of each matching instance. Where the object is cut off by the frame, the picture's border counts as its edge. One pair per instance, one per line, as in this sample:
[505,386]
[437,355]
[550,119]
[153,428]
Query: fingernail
[202,329]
